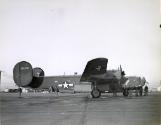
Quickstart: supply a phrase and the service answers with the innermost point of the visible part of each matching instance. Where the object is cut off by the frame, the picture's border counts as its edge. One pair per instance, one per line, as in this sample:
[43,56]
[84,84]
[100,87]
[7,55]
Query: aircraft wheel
[95,93]
[125,92]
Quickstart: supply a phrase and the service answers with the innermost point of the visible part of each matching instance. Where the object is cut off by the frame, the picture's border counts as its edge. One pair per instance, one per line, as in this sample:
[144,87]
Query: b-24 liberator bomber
[95,74]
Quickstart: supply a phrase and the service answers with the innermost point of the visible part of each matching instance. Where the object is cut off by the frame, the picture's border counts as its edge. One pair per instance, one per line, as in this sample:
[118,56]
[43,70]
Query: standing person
[146,91]
[20,91]
[51,89]
[114,89]
[136,91]
[56,90]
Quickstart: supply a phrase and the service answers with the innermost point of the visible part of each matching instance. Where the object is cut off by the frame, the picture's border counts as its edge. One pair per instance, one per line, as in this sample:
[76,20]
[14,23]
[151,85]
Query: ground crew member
[20,91]
[146,91]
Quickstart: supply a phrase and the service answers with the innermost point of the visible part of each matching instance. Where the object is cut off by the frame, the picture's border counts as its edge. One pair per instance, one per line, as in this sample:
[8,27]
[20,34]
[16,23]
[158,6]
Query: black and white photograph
[80,62]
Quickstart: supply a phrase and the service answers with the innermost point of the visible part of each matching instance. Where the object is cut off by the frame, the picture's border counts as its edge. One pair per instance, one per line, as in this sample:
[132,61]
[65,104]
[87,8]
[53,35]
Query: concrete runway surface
[79,109]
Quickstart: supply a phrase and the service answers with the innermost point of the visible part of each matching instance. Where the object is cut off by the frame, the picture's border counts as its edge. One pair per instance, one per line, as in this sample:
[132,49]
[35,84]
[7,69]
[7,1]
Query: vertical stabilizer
[94,67]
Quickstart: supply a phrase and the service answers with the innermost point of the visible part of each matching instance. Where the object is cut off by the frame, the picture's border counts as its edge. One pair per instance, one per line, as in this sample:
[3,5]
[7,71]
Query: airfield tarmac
[79,109]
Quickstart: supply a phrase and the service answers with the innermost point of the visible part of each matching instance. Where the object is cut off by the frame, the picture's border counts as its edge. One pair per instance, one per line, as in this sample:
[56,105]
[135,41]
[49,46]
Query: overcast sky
[62,35]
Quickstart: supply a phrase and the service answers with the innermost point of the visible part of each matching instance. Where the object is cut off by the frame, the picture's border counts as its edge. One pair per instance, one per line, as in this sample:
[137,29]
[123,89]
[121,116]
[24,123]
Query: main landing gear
[125,92]
[95,93]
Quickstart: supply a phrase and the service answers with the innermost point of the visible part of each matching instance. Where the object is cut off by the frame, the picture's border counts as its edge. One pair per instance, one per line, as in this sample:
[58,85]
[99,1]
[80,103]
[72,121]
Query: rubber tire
[95,93]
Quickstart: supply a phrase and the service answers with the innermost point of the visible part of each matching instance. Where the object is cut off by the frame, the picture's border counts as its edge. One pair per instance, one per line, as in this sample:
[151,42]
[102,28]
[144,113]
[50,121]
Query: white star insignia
[65,85]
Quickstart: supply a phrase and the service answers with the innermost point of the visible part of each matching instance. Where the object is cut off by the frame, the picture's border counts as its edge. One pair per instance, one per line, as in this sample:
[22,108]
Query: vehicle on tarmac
[135,84]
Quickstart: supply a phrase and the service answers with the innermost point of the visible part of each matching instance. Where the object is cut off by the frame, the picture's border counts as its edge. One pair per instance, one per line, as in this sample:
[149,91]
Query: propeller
[122,72]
